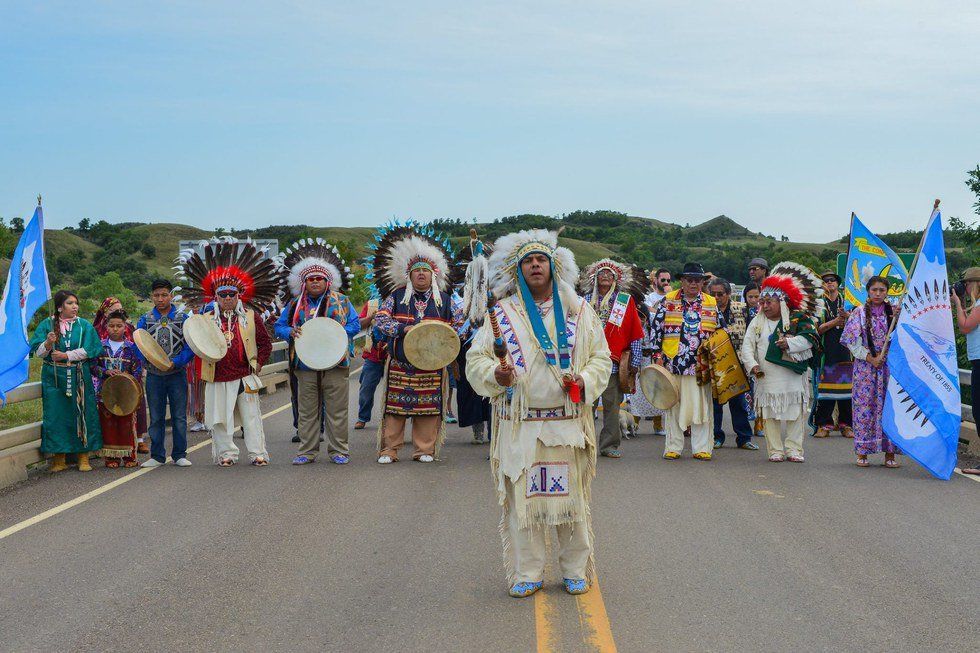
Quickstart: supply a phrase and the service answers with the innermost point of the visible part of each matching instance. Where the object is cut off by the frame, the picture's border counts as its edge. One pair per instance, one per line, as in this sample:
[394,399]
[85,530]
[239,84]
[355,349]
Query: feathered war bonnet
[399,248]
[797,288]
[627,278]
[506,278]
[228,263]
[311,257]
[472,271]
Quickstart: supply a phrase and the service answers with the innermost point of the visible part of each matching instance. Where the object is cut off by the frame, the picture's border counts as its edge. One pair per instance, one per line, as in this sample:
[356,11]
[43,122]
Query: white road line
[36,519]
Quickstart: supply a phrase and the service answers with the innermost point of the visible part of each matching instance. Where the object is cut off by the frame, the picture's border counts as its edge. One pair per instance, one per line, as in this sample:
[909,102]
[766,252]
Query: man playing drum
[542,359]
[410,266]
[613,290]
[238,284]
[318,281]
[683,321]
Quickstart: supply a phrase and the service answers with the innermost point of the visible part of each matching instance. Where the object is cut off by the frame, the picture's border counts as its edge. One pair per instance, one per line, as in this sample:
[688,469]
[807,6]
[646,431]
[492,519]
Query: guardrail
[20,445]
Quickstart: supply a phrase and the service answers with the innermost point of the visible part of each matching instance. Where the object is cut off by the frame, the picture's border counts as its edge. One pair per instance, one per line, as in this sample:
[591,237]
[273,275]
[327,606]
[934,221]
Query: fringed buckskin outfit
[543,448]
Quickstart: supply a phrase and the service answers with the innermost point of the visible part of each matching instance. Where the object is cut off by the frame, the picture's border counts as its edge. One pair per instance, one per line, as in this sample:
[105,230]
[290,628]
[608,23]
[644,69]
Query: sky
[784,116]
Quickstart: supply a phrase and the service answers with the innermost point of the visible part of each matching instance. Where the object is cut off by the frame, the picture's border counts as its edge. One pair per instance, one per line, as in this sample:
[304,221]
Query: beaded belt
[541,414]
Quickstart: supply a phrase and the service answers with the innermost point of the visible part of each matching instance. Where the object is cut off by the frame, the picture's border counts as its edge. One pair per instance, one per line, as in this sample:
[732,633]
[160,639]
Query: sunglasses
[225,294]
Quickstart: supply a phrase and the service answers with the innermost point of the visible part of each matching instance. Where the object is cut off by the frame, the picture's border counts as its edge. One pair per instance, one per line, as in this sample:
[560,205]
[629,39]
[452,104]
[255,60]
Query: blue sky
[783,116]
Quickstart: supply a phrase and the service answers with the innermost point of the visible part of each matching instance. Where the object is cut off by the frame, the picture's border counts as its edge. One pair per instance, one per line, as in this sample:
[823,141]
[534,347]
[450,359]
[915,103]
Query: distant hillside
[95,258]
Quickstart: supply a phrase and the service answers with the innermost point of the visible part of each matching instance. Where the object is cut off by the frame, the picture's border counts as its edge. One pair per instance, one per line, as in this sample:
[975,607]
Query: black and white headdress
[309,257]
[401,247]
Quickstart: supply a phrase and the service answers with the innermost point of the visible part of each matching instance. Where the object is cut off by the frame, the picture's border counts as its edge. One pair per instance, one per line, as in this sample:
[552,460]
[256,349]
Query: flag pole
[915,261]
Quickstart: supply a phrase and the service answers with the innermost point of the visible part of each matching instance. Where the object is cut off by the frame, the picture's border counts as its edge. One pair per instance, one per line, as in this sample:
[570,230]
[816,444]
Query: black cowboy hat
[695,270]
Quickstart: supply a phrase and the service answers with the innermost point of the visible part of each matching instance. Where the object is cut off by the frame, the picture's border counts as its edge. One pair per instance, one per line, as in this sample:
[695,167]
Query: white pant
[224,410]
[529,548]
[693,409]
[794,436]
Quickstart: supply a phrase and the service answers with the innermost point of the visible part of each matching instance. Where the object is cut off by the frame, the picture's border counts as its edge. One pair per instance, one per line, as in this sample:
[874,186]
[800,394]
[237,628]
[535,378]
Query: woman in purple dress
[864,335]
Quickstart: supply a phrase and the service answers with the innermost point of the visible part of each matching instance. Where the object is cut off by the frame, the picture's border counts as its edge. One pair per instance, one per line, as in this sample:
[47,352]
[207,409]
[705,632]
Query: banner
[26,291]
[868,256]
[922,403]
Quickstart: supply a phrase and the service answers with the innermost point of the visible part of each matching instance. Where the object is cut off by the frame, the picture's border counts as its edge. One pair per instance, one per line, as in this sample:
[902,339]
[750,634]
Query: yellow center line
[596,629]
[47,514]
[544,610]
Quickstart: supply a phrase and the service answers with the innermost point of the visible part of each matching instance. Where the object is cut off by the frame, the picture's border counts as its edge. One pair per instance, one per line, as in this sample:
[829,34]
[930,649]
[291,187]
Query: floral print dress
[869,384]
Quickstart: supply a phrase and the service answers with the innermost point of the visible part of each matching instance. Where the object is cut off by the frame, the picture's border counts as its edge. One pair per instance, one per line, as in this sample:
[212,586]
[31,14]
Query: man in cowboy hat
[683,321]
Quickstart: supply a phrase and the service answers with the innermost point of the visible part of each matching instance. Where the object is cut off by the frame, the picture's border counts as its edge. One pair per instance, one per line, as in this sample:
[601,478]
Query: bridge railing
[20,446]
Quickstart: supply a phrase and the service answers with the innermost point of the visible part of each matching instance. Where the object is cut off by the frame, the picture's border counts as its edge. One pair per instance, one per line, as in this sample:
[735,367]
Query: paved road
[734,555]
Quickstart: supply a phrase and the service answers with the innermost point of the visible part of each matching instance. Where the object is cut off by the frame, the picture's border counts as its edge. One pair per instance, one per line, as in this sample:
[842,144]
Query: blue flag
[26,291]
[922,403]
[869,256]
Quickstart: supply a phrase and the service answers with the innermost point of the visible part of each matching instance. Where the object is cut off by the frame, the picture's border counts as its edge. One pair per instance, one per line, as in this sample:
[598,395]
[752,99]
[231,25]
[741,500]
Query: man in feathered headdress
[778,349]
[613,290]
[318,279]
[410,268]
[542,359]
[683,321]
[235,283]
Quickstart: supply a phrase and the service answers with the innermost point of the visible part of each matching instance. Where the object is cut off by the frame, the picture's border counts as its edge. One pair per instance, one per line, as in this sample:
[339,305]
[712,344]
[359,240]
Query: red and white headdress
[310,257]
[797,287]
[227,263]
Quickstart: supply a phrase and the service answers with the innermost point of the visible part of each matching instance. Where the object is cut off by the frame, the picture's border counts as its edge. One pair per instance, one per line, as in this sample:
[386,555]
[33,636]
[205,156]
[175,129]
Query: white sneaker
[197,427]
[426,458]
[183,462]
[384,460]
[151,463]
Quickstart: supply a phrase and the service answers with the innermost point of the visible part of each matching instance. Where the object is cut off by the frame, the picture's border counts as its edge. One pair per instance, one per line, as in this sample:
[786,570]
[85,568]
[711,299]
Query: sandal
[862,462]
[260,462]
[112,463]
[823,432]
[891,464]
[226,462]
[130,463]
[847,432]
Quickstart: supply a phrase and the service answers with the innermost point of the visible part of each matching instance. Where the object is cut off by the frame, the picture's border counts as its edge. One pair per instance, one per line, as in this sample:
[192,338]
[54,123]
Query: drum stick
[499,350]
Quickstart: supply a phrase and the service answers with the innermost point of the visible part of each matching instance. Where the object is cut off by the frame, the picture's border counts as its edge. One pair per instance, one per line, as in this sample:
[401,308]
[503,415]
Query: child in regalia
[119,437]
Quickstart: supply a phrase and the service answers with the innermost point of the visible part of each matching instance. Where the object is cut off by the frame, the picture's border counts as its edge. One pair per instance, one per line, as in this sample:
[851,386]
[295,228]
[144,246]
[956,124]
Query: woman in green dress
[66,344]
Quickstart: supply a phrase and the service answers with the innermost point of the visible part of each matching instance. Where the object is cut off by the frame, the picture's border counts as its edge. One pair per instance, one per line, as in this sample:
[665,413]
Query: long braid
[867,312]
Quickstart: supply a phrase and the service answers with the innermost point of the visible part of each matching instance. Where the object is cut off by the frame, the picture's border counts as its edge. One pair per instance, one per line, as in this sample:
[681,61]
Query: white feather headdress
[509,250]
[399,247]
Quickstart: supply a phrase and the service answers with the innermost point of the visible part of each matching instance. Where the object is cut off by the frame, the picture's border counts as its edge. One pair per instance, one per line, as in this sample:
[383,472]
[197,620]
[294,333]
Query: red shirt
[234,365]
[377,352]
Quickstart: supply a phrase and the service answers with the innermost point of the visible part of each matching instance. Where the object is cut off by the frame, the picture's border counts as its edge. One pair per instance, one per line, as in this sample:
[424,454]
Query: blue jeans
[371,374]
[740,420]
[159,390]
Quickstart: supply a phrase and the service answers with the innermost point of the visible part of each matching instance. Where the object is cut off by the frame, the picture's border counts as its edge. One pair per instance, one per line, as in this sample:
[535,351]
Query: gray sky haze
[783,116]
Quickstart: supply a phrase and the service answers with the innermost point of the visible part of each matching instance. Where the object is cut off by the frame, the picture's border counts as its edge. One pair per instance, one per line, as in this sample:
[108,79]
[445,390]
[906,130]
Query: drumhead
[121,394]
[431,345]
[205,338]
[152,350]
[659,387]
[322,344]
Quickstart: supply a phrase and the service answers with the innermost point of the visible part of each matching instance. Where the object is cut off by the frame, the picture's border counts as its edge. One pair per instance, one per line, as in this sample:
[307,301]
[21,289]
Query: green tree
[108,285]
